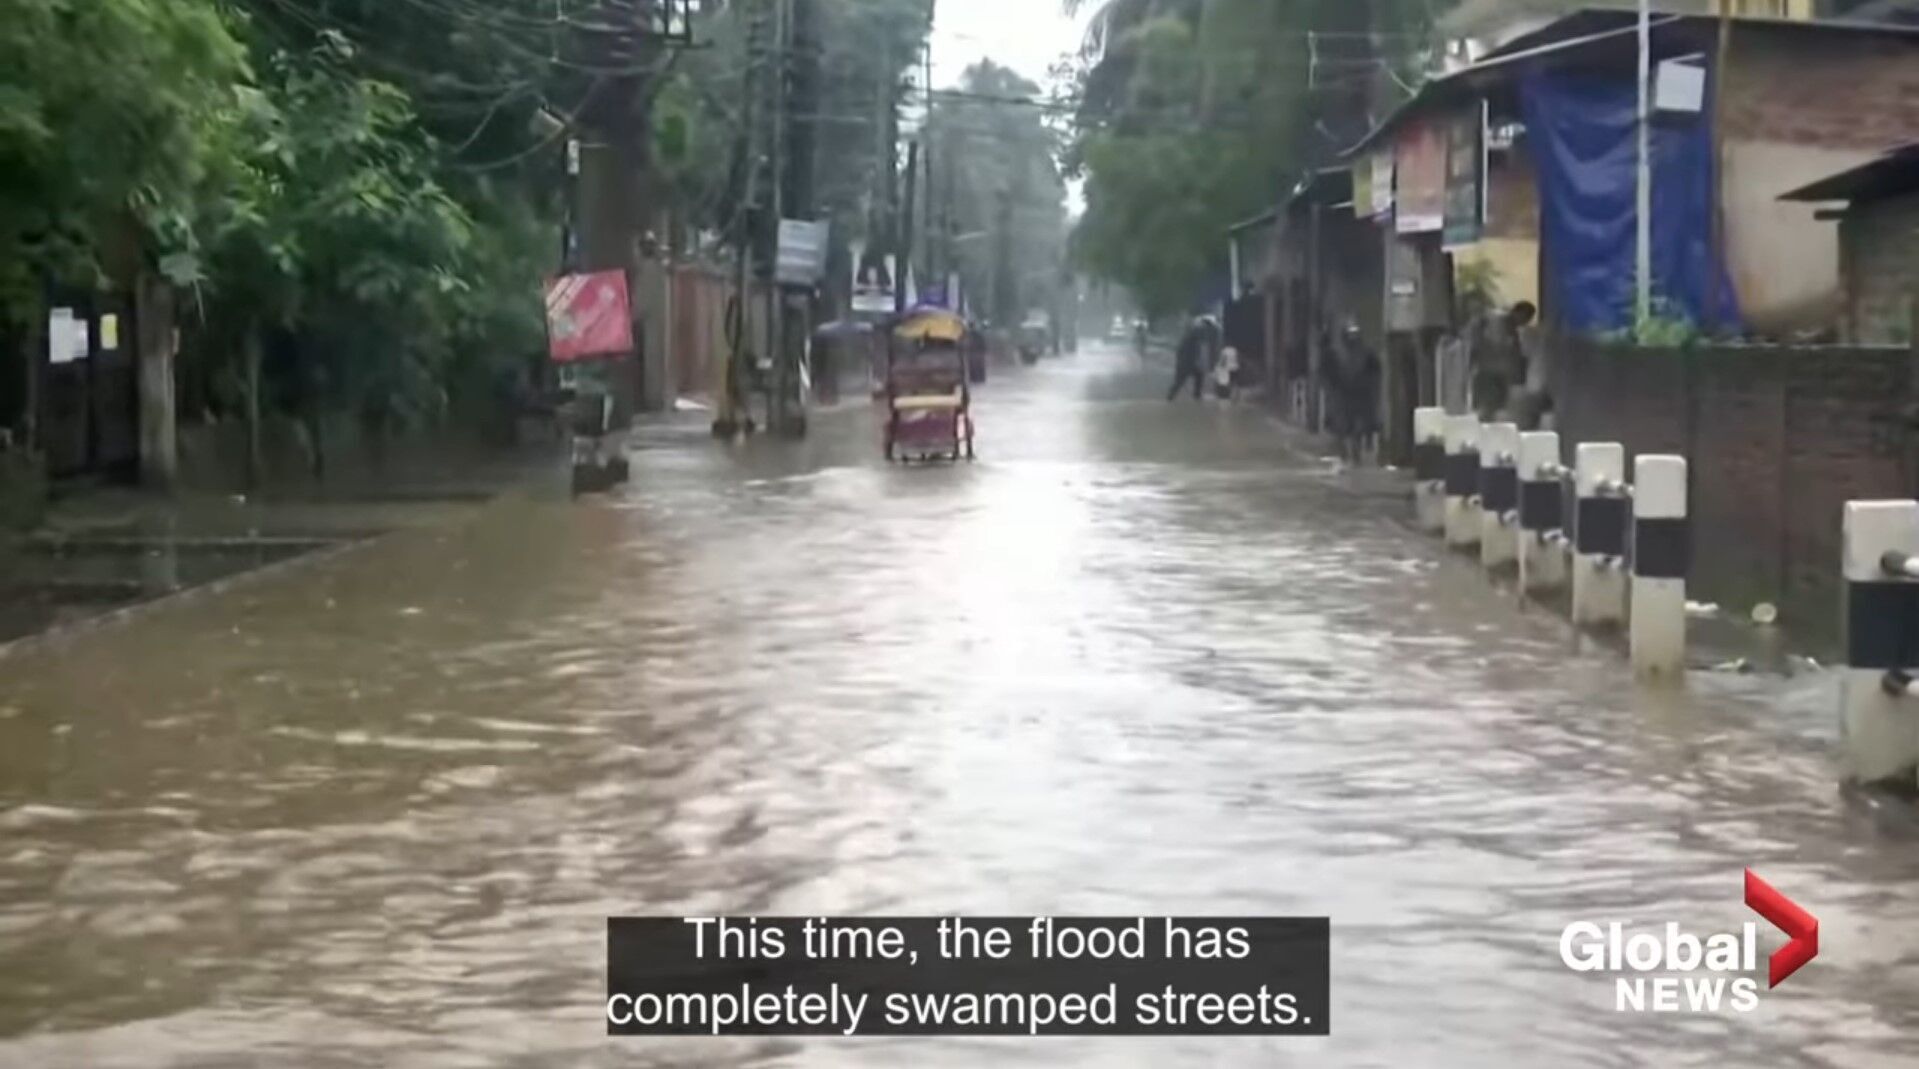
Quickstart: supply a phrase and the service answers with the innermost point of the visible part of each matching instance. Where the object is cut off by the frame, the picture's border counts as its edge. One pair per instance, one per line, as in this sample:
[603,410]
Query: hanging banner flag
[1420,163]
[588,316]
[1466,178]
[1363,188]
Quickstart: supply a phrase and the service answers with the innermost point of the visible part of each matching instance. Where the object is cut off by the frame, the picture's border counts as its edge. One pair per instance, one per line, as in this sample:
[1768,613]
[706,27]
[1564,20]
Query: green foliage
[995,182]
[1476,288]
[1195,114]
[104,111]
[342,200]
[1666,326]
[867,48]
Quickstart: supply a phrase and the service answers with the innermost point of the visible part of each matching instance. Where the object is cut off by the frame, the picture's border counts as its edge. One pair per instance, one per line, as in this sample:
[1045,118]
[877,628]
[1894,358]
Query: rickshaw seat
[952,402]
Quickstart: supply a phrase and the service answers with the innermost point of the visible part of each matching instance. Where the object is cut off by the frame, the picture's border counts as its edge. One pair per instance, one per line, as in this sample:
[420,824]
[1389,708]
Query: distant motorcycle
[1033,343]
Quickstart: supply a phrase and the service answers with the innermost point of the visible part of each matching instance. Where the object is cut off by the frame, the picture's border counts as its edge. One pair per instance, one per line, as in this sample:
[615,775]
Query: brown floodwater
[1141,658]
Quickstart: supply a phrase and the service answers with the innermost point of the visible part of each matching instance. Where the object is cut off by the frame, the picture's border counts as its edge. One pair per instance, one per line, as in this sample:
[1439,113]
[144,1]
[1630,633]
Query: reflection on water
[1137,659]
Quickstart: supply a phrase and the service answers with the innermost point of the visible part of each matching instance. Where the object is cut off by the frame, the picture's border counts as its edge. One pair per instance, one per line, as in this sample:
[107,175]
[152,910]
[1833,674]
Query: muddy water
[1140,658]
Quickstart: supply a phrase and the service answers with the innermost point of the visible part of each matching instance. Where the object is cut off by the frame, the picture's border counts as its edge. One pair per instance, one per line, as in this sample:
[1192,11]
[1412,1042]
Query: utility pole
[932,277]
[735,415]
[800,179]
[1642,296]
[1005,286]
[776,401]
[614,202]
[906,226]
[879,222]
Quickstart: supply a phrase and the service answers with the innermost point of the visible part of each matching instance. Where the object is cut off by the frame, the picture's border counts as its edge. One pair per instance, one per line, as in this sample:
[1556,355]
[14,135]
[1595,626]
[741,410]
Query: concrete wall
[695,339]
[1800,106]
[1783,261]
[1881,258]
[1779,439]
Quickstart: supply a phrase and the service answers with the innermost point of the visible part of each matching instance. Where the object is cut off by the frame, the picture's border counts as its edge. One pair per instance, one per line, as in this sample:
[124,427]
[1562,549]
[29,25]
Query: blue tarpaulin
[1583,129]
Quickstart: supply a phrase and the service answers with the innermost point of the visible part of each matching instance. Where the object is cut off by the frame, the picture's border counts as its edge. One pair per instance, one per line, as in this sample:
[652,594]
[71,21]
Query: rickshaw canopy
[932,324]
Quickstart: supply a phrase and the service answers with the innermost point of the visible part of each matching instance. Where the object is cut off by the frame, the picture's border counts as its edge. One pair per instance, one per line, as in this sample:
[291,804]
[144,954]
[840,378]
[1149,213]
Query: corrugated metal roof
[1892,175]
[1592,27]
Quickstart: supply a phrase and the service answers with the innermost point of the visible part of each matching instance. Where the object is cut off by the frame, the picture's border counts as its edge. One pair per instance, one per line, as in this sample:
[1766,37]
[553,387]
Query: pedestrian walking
[1358,392]
[1191,358]
[1499,360]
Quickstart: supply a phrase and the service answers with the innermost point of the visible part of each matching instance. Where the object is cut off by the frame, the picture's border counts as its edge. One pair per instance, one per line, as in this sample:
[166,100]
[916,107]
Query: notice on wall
[1382,183]
[67,337]
[1420,159]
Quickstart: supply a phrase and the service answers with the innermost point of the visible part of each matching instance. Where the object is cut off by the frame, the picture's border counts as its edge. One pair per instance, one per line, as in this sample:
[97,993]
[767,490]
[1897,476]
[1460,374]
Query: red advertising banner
[1420,158]
[588,316]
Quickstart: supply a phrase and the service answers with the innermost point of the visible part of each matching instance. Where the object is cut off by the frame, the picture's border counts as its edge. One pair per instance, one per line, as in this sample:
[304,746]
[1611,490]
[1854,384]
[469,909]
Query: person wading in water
[1190,360]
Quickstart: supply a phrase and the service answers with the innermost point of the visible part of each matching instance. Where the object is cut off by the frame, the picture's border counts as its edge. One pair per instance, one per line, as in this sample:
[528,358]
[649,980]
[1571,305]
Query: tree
[1195,114]
[999,214]
[104,108]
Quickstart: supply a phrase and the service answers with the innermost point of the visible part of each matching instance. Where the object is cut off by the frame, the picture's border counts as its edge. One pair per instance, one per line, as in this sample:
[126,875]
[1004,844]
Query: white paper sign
[1680,86]
[66,336]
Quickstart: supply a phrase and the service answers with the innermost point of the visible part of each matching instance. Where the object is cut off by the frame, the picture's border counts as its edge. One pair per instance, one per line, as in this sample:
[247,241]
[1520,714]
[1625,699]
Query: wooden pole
[256,461]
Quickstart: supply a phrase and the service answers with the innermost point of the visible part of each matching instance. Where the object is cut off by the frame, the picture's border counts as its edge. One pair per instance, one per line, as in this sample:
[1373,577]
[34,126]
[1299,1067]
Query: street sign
[588,316]
[802,256]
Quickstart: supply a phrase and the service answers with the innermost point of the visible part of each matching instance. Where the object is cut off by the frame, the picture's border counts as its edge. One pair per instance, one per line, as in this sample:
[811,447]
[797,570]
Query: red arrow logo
[1786,915]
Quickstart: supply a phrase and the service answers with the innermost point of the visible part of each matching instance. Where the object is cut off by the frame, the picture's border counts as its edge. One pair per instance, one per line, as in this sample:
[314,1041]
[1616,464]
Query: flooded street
[1141,658]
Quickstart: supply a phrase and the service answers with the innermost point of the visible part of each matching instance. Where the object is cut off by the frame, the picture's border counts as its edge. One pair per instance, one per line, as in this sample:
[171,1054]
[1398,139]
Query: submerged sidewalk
[104,550]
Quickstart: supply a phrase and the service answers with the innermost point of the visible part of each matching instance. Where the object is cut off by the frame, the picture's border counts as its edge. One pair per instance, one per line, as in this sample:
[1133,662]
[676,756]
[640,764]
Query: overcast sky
[1026,35]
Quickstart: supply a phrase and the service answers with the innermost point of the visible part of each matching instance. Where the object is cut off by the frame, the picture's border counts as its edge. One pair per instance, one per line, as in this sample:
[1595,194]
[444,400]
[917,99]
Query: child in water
[1226,372]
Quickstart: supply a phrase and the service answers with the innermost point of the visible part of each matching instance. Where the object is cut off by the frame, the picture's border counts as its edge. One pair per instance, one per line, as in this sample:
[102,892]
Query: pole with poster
[589,326]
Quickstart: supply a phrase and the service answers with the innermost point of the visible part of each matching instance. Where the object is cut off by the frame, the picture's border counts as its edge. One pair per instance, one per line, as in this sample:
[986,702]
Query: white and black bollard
[1429,468]
[1542,514]
[1462,481]
[1879,709]
[1661,559]
[1499,494]
[1600,521]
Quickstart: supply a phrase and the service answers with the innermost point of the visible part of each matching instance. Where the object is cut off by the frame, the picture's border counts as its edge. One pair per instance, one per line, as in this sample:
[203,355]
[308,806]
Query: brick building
[1878,244]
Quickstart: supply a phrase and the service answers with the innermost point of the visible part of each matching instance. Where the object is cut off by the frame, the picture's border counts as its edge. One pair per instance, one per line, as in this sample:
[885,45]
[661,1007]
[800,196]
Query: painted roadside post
[1542,549]
[1499,495]
[1599,551]
[1429,468]
[1661,559]
[1462,481]
[1879,713]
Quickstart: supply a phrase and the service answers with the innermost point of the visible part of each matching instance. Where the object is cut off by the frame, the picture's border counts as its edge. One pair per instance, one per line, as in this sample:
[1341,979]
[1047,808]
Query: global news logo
[1676,971]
